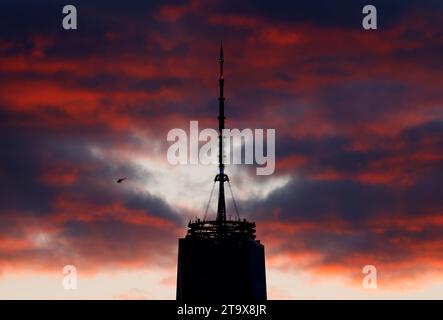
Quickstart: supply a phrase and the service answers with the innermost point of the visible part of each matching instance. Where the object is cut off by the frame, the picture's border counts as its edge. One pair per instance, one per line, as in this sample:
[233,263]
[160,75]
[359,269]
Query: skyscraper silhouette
[221,259]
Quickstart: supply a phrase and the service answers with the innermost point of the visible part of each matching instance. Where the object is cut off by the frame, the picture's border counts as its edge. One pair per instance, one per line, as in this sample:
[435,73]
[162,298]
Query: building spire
[221,177]
[221,59]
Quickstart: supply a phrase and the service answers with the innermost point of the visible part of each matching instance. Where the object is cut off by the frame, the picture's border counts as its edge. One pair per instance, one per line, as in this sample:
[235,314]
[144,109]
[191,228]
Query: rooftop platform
[220,229]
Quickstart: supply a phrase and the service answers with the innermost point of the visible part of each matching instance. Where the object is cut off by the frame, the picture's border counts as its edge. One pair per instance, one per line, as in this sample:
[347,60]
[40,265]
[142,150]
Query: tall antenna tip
[221,50]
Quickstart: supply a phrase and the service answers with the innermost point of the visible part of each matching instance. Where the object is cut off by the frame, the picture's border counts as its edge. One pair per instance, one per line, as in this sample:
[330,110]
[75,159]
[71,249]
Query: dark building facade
[221,259]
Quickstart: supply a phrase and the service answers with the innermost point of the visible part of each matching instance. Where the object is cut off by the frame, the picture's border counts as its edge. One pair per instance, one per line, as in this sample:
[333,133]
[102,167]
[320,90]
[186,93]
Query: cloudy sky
[359,143]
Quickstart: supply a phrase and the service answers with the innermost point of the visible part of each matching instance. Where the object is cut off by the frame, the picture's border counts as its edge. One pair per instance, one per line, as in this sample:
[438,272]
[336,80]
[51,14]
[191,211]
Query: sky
[359,143]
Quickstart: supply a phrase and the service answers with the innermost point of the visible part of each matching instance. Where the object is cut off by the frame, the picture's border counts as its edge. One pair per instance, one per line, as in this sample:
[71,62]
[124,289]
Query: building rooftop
[221,229]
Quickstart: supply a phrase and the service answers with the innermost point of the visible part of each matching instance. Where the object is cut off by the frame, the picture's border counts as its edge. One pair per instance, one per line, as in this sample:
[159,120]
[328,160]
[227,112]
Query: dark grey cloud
[29,155]
[344,13]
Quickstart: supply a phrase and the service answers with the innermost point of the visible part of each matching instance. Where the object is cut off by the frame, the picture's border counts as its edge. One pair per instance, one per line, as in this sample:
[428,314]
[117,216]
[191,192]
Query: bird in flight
[120,180]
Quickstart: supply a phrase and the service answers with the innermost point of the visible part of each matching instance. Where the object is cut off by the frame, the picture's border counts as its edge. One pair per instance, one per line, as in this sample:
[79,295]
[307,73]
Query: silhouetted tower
[221,177]
[221,259]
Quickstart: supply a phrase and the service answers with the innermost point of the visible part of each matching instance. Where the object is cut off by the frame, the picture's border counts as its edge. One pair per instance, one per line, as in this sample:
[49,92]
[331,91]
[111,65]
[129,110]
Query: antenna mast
[221,177]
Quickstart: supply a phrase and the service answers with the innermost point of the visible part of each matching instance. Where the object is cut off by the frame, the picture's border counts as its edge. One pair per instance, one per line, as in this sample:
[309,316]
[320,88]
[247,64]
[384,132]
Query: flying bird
[120,180]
